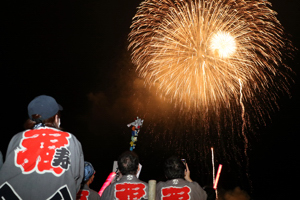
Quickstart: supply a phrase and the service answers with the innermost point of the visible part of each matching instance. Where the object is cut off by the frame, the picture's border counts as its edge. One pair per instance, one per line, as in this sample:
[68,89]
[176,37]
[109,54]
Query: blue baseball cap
[88,170]
[43,105]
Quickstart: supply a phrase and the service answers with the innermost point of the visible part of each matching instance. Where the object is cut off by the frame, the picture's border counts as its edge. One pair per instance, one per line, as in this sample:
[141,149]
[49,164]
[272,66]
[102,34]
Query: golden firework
[200,53]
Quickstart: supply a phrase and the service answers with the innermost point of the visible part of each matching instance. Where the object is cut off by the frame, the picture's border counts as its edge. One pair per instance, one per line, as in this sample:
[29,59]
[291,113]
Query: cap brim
[60,107]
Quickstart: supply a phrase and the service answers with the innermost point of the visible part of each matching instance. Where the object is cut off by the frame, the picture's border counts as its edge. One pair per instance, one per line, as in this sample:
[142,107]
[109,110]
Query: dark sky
[76,51]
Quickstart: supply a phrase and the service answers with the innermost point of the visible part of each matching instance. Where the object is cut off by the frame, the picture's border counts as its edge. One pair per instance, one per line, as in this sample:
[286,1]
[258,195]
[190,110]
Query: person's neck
[88,183]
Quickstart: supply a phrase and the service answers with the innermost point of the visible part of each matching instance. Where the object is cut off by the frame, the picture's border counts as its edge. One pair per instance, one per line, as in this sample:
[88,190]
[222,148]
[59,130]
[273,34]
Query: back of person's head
[128,163]
[43,109]
[174,168]
[88,171]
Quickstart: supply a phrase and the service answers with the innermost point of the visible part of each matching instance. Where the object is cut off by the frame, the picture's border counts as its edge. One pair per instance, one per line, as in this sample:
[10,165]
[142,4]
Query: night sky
[76,51]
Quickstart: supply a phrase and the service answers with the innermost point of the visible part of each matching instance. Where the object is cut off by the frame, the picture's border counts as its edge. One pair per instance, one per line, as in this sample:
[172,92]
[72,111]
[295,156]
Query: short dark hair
[128,163]
[36,119]
[174,168]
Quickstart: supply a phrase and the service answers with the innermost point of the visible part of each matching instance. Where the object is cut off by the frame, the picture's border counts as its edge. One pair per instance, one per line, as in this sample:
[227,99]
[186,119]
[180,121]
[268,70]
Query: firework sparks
[223,44]
[218,61]
[198,53]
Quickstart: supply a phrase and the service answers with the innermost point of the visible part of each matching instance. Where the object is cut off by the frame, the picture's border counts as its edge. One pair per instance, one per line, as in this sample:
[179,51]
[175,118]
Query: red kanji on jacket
[83,194]
[130,191]
[43,150]
[170,193]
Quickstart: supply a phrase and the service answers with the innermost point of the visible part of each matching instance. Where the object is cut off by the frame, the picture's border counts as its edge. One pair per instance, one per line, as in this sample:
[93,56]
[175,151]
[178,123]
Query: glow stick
[109,179]
[218,176]
[213,163]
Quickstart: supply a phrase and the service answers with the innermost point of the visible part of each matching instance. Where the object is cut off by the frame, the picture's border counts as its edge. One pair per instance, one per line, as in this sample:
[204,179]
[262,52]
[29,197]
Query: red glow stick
[109,179]
[218,176]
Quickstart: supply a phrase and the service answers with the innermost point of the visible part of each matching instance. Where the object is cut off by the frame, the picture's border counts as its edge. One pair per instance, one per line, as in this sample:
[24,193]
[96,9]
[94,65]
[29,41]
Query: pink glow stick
[218,176]
[109,179]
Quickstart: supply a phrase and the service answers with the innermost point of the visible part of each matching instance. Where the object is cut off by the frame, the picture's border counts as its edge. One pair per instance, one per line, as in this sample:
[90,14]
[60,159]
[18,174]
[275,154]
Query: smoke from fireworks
[199,53]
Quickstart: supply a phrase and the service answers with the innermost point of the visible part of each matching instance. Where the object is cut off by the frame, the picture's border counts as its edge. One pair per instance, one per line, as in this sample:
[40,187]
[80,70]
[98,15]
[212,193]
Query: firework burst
[200,53]
[221,62]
